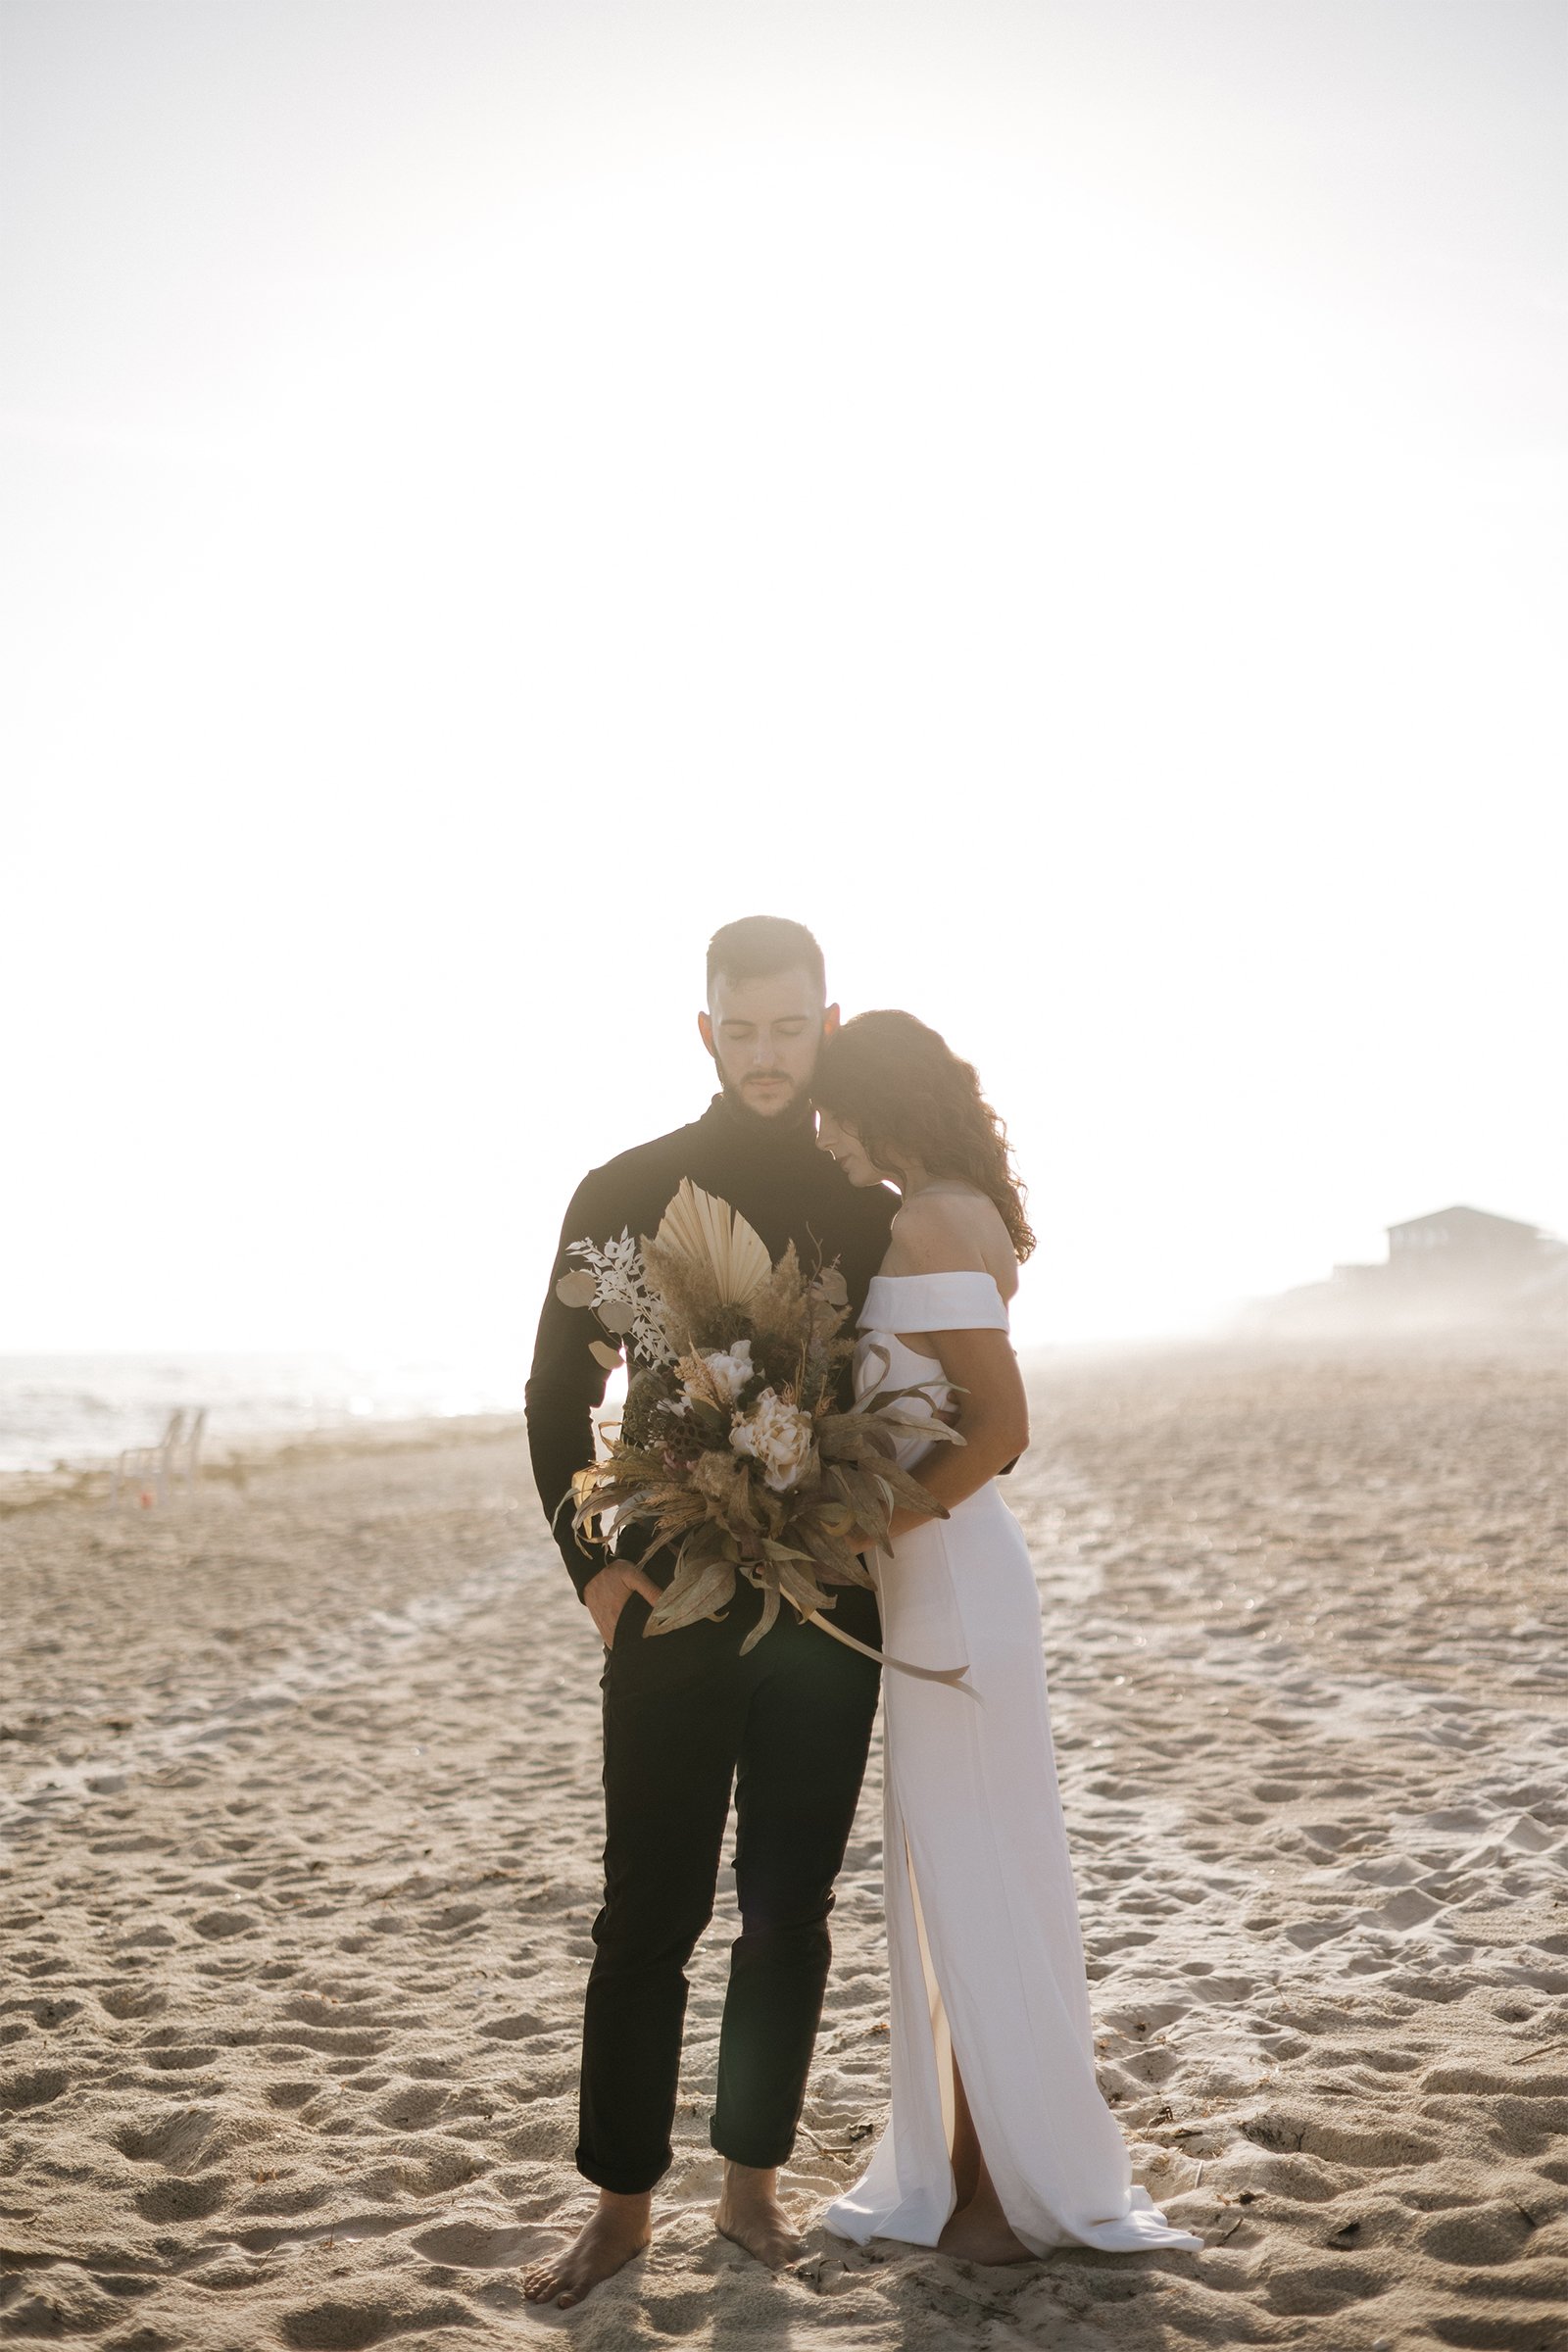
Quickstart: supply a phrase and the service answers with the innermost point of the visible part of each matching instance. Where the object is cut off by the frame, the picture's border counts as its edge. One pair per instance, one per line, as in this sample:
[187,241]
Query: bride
[998,2144]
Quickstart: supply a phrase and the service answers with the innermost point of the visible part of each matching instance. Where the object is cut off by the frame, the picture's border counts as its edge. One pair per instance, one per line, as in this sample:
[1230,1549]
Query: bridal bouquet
[732,1443]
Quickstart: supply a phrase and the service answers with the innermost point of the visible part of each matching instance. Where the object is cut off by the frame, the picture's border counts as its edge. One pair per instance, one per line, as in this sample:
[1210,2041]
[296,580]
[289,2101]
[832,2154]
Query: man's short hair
[760,945]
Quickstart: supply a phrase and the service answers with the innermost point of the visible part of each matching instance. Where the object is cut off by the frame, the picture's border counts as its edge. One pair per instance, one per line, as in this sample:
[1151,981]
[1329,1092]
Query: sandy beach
[301,1814]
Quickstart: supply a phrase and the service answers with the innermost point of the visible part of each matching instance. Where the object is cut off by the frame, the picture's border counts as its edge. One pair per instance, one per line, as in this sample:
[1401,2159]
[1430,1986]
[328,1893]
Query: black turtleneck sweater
[771,1171]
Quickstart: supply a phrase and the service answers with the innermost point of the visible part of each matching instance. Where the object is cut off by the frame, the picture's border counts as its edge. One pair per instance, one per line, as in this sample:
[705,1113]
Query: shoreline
[231,1463]
[87,1477]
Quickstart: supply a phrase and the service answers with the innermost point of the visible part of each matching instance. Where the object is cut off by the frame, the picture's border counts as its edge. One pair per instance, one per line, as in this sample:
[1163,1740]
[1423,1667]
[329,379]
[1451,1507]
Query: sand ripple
[300,1809]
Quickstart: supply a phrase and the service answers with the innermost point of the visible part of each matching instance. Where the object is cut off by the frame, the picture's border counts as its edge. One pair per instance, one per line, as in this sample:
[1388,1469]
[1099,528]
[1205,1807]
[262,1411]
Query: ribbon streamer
[952,1675]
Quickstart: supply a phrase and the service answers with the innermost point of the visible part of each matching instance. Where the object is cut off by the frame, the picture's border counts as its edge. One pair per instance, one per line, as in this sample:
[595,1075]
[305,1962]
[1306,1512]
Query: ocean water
[81,1409]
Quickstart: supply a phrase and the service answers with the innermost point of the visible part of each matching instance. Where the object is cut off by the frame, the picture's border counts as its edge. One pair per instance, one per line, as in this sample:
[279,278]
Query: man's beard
[790,1113]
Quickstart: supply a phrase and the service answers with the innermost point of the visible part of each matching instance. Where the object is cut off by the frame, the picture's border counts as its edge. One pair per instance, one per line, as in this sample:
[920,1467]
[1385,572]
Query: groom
[685,1716]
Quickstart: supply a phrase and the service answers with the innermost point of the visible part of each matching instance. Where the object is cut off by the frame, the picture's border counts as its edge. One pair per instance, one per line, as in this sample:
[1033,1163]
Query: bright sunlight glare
[1037,512]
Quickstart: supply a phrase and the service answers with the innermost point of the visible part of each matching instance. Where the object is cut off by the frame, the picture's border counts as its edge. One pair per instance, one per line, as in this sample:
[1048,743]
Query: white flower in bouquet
[732,1368]
[779,1437]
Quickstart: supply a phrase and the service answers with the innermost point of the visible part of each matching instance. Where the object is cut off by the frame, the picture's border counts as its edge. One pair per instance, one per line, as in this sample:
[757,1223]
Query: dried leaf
[764,1623]
[844,1438]
[782,1552]
[857,1489]
[832,1554]
[578,1290]
[690,1597]
[900,1487]
[603,1354]
[802,1592]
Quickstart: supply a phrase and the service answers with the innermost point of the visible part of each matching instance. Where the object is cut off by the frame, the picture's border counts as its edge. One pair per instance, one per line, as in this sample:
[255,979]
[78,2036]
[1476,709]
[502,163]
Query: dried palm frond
[710,1232]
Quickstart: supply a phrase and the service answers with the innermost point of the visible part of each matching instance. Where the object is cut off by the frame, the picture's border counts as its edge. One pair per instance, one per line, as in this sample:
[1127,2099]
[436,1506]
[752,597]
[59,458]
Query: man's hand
[608,1594]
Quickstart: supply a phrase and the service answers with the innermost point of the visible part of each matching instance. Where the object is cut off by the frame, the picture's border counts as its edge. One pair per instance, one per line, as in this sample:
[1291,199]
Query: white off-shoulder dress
[983,1950]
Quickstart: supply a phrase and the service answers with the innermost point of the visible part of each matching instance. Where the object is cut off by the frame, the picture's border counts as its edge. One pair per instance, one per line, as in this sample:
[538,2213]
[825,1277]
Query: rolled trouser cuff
[761,2156]
[622,2180]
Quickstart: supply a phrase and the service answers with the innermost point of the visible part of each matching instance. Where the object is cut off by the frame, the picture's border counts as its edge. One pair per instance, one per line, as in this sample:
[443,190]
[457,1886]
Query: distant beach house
[1468,1242]
[1454,1264]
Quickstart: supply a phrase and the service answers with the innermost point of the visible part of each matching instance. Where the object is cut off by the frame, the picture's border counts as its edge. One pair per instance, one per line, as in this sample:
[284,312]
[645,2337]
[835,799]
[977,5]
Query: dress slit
[941,2029]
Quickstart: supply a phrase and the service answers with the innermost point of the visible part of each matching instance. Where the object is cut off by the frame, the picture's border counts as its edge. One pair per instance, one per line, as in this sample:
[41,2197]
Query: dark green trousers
[687,1721]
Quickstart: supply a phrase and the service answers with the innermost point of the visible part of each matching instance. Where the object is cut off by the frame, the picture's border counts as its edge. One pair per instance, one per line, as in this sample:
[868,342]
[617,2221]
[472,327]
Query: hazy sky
[1067,499]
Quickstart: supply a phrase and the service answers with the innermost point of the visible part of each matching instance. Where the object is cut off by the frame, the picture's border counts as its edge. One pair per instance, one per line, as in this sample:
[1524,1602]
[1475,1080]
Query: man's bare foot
[748,2212]
[620,2229]
[979,2232]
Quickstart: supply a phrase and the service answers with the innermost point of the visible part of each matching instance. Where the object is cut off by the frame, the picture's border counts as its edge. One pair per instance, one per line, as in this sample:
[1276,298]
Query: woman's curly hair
[909,1097]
